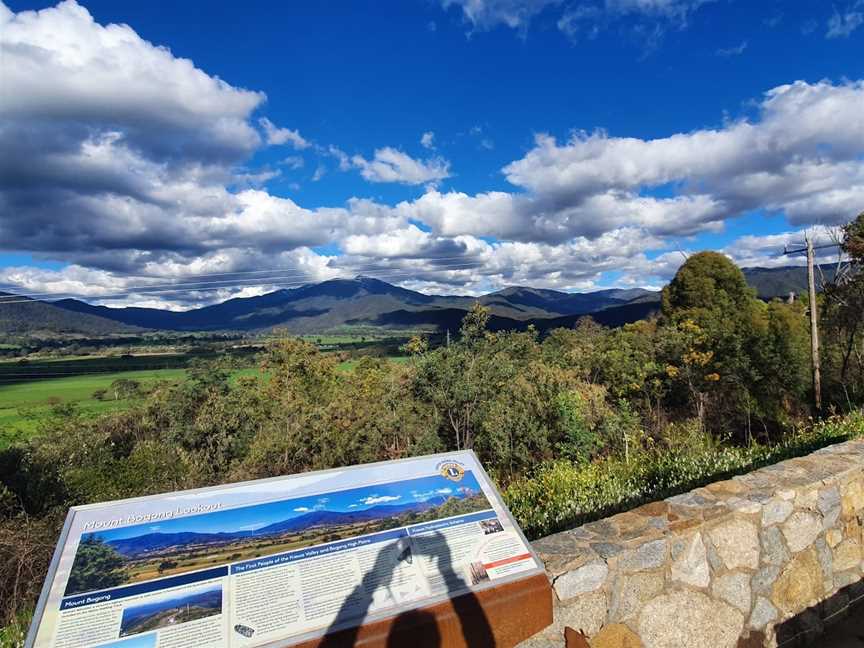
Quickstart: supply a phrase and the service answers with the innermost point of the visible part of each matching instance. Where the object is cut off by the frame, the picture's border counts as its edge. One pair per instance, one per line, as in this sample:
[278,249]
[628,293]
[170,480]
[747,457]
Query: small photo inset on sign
[172,609]
[491,526]
[478,573]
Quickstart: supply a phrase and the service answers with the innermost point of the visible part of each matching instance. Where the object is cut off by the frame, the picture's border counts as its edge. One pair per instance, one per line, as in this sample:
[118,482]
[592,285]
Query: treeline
[25,347]
[718,369]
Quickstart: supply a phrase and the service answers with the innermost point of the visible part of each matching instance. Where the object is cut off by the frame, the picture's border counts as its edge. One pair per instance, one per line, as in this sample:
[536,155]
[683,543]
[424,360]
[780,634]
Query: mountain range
[780,282]
[22,316]
[148,543]
[366,302]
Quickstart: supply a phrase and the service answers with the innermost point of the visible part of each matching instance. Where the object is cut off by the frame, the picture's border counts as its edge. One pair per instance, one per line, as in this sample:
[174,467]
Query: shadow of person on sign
[473,622]
[416,628]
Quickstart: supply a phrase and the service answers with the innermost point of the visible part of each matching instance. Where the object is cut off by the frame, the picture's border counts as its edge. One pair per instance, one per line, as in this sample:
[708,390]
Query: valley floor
[23,405]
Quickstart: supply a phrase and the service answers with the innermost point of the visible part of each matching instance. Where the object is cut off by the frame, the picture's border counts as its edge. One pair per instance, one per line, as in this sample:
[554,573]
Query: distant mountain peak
[365,301]
[361,301]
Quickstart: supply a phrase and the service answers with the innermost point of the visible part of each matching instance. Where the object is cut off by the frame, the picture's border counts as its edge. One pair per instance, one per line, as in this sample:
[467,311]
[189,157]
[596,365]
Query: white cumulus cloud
[63,70]
[392,165]
[277,136]
[427,140]
[383,499]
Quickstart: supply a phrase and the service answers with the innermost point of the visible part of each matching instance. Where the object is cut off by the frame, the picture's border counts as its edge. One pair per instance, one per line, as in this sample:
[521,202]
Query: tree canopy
[706,282]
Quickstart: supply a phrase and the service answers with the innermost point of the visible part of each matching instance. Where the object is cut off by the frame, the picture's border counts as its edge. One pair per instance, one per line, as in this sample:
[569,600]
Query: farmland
[30,392]
[24,404]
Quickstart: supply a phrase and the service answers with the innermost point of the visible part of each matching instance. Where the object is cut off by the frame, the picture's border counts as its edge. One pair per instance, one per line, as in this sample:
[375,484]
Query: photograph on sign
[278,561]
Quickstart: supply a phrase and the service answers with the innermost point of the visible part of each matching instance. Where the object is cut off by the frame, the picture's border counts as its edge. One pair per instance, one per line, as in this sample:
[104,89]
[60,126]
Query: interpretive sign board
[281,561]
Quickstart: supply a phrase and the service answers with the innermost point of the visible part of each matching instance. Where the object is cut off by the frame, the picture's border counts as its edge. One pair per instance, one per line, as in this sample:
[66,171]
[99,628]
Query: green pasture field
[42,369]
[338,339]
[350,365]
[24,404]
[141,356]
[360,337]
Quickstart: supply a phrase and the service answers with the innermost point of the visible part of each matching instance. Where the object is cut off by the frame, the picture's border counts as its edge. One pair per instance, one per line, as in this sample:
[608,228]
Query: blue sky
[447,145]
[356,499]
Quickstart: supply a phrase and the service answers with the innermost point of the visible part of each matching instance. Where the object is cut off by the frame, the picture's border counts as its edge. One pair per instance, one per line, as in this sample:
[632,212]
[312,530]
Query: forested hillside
[781,282]
[23,316]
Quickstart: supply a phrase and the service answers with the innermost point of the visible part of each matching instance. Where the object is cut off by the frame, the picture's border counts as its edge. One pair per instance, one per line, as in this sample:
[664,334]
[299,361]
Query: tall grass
[14,634]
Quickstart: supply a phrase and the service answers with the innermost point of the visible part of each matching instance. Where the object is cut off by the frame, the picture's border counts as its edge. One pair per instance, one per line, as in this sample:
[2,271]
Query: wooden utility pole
[814,325]
[810,249]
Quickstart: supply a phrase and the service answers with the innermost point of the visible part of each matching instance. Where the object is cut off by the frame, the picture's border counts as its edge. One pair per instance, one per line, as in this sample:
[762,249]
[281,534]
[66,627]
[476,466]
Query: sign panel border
[447,461]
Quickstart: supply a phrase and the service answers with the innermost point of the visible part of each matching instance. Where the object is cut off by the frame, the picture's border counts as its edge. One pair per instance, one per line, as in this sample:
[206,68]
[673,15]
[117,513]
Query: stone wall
[763,559]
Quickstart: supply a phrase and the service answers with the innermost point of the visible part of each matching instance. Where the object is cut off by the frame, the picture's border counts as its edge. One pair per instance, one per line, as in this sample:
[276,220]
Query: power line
[281,275]
[787,252]
[76,373]
[292,272]
[358,268]
[19,298]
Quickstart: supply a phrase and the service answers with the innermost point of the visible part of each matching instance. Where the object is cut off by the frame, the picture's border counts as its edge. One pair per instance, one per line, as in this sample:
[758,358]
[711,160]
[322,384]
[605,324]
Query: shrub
[13,635]
[579,416]
[26,547]
[561,494]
